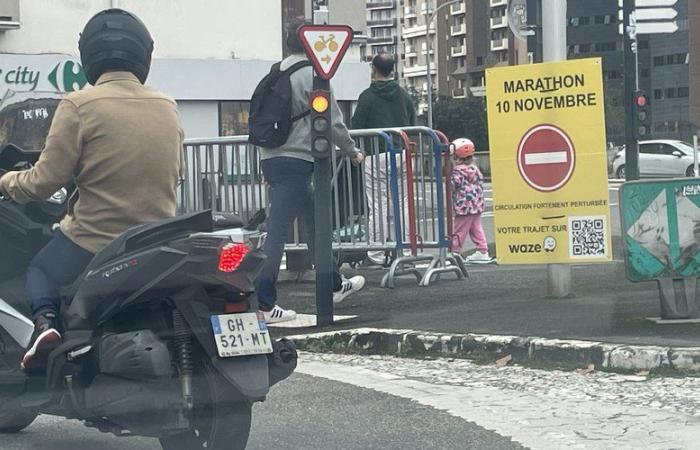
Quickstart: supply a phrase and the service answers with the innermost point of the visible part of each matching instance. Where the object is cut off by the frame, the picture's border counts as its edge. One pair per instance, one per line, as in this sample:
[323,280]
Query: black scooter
[161,334]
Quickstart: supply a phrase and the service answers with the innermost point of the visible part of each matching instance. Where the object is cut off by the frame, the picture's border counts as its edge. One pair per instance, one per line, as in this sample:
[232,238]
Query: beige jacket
[120,142]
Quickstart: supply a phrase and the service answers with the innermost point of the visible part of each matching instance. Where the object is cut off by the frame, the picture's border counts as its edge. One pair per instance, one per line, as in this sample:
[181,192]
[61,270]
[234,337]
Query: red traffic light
[641,99]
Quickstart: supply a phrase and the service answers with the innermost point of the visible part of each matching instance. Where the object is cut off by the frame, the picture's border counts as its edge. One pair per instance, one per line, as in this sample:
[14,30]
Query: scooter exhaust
[282,361]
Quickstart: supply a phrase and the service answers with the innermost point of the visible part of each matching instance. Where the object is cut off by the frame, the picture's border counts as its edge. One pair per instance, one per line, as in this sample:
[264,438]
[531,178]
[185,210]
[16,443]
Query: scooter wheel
[214,426]
[15,421]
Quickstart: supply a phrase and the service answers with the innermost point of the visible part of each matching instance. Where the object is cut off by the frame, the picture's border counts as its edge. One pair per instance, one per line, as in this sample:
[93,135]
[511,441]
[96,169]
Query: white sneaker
[349,287]
[478,258]
[377,257]
[277,314]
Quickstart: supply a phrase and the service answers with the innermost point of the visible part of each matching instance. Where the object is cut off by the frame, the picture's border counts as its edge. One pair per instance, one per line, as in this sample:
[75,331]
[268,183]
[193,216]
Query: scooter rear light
[236,307]
[231,256]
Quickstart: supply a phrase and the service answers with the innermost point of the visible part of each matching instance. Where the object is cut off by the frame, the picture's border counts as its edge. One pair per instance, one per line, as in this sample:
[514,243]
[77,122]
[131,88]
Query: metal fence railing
[396,202]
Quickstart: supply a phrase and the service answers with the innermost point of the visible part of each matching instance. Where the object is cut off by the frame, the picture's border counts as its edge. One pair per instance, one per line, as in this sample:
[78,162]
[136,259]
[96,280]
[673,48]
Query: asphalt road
[305,413]
[351,402]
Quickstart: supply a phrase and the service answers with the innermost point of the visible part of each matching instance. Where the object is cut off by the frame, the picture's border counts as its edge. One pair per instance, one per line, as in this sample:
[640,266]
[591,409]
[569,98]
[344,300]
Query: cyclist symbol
[324,43]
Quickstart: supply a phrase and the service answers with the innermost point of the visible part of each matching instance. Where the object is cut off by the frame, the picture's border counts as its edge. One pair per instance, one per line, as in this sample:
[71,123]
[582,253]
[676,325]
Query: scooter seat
[224,220]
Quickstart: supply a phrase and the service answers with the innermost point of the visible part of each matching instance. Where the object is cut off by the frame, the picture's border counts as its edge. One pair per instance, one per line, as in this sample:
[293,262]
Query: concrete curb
[525,350]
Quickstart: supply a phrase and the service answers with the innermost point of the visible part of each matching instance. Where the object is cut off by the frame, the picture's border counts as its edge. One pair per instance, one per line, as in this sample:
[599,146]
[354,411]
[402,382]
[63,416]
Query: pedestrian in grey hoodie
[288,170]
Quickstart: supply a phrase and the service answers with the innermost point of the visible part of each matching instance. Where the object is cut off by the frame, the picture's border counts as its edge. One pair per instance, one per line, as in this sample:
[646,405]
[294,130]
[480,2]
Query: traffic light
[642,116]
[320,123]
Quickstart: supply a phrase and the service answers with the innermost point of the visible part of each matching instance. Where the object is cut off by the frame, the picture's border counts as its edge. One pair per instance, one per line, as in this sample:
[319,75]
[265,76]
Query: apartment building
[382,27]
[478,37]
[415,48]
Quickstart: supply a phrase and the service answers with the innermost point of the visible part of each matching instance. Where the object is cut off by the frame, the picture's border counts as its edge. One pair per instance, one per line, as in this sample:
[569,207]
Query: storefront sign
[40,73]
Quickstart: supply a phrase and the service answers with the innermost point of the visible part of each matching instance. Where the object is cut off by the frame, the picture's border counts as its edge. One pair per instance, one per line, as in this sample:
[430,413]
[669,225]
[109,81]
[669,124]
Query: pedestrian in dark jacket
[384,104]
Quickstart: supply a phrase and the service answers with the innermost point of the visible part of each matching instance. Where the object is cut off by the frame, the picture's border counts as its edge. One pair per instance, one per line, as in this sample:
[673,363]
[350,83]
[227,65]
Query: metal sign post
[696,170]
[554,48]
[325,47]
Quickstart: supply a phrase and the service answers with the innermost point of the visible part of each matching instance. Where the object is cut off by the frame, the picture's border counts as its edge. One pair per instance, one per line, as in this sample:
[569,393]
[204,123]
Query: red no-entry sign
[546,158]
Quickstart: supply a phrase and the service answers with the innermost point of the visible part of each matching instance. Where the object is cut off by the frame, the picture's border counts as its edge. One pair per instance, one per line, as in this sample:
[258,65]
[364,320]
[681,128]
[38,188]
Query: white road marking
[541,410]
[546,158]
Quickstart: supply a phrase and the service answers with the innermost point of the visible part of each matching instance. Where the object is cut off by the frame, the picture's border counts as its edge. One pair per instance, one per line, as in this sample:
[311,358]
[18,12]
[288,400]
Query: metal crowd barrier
[428,163]
[410,213]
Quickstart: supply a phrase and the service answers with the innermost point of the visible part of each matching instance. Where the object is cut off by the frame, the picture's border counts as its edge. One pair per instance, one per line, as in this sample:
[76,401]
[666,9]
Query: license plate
[241,334]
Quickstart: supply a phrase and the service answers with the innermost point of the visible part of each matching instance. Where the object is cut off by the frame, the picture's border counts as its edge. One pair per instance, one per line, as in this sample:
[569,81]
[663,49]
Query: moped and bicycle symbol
[322,44]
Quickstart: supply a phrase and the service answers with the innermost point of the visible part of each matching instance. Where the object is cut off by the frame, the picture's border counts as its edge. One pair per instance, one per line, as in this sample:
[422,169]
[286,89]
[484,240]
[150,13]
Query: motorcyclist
[120,143]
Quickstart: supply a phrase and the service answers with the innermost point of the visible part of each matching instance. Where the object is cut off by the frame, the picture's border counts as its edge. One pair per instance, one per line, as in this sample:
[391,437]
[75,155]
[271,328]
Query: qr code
[588,237]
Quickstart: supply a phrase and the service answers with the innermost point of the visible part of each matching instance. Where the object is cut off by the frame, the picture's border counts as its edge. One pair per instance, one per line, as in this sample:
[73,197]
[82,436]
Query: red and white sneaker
[44,340]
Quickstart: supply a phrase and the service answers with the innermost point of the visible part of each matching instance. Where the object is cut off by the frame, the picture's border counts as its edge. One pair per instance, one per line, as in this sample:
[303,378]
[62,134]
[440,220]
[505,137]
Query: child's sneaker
[479,258]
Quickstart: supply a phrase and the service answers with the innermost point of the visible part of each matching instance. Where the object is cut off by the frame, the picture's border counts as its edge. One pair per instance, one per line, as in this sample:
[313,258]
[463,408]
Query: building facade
[694,64]
[670,80]
[593,31]
[383,32]
[480,38]
[208,59]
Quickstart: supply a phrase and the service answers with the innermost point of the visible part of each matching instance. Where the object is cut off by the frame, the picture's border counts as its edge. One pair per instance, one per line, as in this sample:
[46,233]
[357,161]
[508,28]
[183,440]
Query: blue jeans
[292,197]
[56,265]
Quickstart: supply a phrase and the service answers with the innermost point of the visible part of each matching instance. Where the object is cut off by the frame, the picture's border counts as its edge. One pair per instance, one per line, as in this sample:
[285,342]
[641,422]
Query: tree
[614,111]
[462,118]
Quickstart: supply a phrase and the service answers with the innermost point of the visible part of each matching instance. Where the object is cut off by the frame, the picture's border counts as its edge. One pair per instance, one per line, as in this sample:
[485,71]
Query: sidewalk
[507,301]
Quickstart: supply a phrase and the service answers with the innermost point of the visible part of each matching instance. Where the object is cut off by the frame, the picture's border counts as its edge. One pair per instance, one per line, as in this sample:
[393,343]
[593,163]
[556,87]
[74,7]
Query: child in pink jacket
[468,202]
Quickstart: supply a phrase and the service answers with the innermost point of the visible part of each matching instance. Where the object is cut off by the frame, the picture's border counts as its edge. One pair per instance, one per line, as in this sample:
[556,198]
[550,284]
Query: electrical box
[9,15]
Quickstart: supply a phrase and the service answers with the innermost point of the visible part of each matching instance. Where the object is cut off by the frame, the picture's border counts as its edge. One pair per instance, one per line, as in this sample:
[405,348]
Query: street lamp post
[430,16]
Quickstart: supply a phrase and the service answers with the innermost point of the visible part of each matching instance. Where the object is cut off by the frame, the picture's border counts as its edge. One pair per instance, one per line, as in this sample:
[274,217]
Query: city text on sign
[325,46]
[548,162]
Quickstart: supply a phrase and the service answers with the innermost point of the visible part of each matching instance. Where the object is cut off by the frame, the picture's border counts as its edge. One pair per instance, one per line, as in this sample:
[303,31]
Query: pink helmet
[464,148]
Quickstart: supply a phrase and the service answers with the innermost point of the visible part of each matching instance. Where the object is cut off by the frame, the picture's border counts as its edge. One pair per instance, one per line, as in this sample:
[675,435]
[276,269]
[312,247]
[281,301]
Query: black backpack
[271,108]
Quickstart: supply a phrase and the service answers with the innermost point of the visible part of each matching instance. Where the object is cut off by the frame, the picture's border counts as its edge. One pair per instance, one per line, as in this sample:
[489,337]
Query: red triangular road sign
[325,46]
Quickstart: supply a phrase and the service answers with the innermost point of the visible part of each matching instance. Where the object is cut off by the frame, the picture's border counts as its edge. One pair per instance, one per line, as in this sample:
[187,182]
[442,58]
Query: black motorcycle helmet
[112,40]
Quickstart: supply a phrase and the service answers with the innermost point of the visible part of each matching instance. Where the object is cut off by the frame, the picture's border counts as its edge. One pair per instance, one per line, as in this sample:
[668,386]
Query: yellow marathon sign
[548,162]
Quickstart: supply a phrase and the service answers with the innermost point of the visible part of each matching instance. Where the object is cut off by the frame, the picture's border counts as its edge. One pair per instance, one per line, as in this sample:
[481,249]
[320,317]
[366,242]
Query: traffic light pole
[323,251]
[630,69]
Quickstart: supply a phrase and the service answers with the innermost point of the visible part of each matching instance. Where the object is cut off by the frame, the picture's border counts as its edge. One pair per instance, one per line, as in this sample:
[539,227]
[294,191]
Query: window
[683,92]
[658,60]
[658,94]
[665,149]
[670,92]
[584,48]
[670,59]
[584,20]
[599,20]
[479,60]
[606,47]
[233,118]
[648,149]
